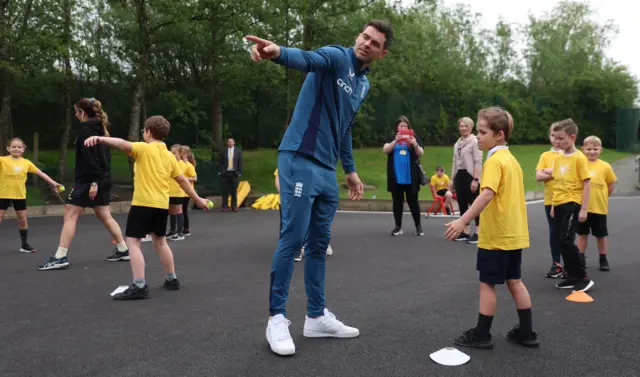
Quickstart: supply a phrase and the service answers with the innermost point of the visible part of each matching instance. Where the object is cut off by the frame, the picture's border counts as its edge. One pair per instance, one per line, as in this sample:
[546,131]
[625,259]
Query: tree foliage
[188,61]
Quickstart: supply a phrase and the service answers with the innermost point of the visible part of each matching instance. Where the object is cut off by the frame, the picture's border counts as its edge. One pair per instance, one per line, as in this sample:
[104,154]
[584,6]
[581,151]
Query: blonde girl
[13,189]
[190,174]
[176,199]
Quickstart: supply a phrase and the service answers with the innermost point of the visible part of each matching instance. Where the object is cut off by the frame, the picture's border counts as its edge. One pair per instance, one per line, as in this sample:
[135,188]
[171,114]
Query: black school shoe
[133,293]
[515,335]
[470,339]
[172,285]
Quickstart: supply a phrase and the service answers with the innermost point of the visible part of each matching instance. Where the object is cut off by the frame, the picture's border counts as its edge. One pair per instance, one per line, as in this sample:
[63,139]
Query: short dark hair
[383,27]
[566,125]
[439,167]
[158,126]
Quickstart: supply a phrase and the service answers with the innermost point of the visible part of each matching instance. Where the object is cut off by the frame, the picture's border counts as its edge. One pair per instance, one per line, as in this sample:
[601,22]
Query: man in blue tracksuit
[319,134]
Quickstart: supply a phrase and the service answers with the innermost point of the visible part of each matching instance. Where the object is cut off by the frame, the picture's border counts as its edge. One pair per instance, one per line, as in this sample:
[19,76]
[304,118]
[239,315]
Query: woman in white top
[466,170]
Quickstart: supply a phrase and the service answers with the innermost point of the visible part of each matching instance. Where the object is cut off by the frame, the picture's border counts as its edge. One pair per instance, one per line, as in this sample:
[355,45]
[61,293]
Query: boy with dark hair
[570,200]
[155,167]
[505,232]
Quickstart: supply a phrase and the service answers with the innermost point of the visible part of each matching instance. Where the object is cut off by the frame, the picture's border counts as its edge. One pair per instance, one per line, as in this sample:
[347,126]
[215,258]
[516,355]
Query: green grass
[372,167]
[259,166]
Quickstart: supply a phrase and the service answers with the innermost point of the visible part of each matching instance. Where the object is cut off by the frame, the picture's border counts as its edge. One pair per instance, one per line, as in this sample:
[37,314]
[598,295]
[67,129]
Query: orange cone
[579,297]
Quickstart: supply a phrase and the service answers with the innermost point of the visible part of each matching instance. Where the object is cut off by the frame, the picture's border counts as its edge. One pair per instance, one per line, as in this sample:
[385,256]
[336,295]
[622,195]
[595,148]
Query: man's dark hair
[383,27]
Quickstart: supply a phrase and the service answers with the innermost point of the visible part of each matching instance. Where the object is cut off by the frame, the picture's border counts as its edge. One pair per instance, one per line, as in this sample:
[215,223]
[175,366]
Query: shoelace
[332,321]
[282,329]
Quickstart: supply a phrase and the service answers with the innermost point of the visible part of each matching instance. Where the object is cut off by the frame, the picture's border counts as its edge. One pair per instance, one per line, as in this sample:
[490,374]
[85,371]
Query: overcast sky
[625,47]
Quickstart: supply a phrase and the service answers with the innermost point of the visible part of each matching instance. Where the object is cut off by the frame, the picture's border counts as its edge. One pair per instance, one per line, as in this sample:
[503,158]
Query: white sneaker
[147,238]
[327,326]
[329,250]
[299,257]
[278,336]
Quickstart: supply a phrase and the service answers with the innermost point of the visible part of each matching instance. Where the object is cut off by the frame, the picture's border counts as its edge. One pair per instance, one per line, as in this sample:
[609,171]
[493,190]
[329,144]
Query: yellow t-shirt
[175,191]
[13,177]
[601,174]
[504,220]
[439,183]
[189,172]
[546,162]
[155,167]
[569,173]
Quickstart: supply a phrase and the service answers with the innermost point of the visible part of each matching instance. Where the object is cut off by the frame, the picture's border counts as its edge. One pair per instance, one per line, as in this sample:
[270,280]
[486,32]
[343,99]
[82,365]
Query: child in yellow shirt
[176,199]
[440,183]
[546,162]
[191,176]
[156,167]
[570,199]
[13,190]
[504,233]
[602,183]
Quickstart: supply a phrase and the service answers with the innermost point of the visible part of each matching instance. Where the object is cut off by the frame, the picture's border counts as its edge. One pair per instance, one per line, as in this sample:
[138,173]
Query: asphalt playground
[409,296]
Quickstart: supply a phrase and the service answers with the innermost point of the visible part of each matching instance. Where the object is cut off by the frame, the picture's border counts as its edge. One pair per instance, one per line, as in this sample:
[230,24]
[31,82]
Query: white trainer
[279,337]
[328,326]
[329,250]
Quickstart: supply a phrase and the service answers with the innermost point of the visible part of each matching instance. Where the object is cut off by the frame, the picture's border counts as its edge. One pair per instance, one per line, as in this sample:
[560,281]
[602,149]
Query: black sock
[180,220]
[23,236]
[603,257]
[526,325]
[484,326]
[174,223]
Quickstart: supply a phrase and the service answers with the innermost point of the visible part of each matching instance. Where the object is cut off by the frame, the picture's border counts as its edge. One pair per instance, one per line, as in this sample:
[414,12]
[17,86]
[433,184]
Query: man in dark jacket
[230,171]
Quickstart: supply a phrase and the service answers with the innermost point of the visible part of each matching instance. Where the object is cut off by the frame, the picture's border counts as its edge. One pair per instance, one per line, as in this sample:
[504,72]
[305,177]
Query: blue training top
[327,105]
[402,164]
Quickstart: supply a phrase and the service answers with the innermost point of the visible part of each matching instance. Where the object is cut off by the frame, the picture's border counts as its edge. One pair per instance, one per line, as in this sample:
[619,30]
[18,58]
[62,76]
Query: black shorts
[18,204]
[146,220]
[442,192]
[595,223]
[175,200]
[79,195]
[496,266]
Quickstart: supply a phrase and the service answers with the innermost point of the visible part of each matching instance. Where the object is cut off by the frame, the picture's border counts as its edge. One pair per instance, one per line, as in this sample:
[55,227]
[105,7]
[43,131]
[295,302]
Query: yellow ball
[61,188]
[210,204]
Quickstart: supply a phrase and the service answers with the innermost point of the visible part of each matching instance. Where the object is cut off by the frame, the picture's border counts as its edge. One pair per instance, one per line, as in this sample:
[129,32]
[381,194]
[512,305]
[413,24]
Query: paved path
[625,170]
[408,295]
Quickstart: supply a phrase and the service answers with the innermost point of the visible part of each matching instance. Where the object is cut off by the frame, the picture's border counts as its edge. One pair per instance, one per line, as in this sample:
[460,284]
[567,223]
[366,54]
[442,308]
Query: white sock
[61,252]
[122,247]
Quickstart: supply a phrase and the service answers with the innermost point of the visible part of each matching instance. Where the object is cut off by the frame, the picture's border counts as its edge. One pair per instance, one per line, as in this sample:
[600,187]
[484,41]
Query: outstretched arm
[321,60]
[112,142]
[47,179]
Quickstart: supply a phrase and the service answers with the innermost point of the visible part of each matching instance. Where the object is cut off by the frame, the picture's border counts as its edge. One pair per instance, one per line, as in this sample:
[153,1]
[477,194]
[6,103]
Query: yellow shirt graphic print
[440,183]
[569,174]
[13,177]
[602,175]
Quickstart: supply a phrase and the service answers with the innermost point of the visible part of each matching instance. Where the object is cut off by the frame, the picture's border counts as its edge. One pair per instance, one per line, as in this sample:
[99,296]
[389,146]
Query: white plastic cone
[120,289]
[450,356]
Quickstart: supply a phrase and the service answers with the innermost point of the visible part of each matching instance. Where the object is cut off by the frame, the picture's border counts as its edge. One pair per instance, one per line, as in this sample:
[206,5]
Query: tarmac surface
[409,296]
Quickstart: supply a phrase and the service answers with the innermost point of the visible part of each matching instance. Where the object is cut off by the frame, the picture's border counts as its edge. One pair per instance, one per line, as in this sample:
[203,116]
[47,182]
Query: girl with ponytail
[92,186]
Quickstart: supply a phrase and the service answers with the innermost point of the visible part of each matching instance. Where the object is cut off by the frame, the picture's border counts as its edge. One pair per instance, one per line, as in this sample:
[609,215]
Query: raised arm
[112,142]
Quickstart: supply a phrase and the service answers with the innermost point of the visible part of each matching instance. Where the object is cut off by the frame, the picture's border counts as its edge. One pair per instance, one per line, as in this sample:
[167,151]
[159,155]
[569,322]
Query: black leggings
[185,213]
[462,185]
[398,195]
